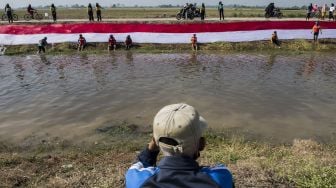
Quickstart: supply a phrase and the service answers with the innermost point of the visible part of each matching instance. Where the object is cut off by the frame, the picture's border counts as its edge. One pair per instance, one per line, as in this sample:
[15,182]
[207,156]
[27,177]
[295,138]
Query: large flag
[163,33]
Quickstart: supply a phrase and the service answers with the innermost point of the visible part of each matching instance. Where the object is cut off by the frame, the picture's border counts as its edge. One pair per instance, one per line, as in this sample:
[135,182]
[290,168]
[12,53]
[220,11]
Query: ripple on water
[271,96]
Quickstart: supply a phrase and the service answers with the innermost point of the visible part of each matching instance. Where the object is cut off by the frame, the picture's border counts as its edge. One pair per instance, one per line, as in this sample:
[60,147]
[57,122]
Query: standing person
[31,11]
[98,11]
[221,10]
[81,43]
[42,44]
[178,133]
[194,43]
[53,12]
[324,11]
[112,43]
[275,39]
[9,13]
[331,12]
[202,11]
[316,30]
[128,42]
[90,12]
[309,11]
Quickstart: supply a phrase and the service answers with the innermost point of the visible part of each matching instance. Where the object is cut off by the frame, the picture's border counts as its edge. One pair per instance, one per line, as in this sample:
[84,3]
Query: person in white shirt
[331,12]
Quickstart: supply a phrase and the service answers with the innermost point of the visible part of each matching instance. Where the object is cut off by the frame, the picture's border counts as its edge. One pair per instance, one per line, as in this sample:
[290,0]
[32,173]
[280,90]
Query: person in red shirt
[128,42]
[194,42]
[112,43]
[81,42]
[316,30]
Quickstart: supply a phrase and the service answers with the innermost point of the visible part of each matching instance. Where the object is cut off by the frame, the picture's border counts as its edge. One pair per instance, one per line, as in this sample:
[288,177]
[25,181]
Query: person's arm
[139,172]
[149,155]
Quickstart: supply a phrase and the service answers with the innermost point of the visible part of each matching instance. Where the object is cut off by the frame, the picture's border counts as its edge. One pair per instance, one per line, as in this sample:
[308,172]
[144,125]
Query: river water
[276,97]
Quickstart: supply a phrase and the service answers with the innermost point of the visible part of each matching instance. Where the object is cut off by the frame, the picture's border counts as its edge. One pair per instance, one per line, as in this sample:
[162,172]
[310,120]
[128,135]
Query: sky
[282,3]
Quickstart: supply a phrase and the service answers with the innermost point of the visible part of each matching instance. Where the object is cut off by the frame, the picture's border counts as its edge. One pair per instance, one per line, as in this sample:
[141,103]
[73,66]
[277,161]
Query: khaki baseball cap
[181,123]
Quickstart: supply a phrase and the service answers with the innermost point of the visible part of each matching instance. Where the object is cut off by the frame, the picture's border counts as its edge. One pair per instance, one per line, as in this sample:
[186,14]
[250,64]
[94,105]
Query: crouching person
[112,43]
[81,43]
[275,40]
[42,45]
[177,133]
[128,42]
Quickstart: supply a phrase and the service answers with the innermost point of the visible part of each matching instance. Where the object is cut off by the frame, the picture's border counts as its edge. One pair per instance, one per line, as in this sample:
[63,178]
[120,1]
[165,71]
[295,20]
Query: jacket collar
[178,163]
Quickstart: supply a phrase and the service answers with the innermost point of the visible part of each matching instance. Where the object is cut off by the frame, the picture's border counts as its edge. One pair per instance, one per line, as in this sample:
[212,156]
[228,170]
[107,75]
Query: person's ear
[202,144]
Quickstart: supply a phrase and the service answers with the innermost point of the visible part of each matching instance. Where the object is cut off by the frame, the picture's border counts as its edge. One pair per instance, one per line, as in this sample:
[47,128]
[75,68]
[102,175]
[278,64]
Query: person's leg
[43,49]
[222,12]
[114,47]
[39,49]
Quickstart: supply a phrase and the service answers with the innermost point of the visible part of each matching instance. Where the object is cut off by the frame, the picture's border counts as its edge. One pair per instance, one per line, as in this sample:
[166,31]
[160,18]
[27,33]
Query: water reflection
[254,93]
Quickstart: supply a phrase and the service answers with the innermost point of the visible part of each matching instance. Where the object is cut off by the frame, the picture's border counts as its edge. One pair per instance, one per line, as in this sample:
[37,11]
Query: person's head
[194,35]
[90,5]
[52,5]
[45,38]
[332,4]
[220,2]
[317,23]
[128,36]
[29,5]
[203,5]
[7,5]
[80,36]
[275,32]
[111,36]
[97,5]
[178,130]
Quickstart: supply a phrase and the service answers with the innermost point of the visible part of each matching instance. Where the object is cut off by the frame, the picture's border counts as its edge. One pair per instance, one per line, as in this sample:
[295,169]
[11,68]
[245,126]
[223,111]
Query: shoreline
[288,46]
[55,162]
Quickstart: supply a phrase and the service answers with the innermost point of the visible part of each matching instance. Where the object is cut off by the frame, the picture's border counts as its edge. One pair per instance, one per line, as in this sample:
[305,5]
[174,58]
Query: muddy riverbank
[287,46]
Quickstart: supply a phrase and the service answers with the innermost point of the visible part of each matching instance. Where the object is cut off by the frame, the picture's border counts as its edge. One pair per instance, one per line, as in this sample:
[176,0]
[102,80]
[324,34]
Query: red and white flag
[163,33]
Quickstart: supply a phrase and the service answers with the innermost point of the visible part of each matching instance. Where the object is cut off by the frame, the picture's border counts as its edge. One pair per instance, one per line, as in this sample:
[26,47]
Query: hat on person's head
[177,129]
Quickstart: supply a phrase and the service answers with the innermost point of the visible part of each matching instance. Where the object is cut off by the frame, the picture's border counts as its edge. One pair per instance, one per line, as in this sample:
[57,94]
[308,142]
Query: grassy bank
[289,46]
[111,13]
[54,162]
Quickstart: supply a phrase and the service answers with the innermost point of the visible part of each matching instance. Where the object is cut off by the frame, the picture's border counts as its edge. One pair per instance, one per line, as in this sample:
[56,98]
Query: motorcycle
[188,14]
[275,13]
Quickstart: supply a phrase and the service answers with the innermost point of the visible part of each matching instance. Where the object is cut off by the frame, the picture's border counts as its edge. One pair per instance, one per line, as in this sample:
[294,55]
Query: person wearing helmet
[42,44]
[112,43]
[31,11]
[178,133]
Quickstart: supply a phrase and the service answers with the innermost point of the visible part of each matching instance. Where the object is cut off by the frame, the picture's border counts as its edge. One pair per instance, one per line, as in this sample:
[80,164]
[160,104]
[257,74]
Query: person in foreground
[177,133]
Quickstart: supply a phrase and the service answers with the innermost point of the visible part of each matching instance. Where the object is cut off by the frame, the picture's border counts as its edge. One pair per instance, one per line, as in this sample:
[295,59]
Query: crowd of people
[321,12]
[313,11]
[82,43]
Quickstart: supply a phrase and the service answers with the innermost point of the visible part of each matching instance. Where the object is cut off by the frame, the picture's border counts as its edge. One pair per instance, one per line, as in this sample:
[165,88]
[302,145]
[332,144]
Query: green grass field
[54,162]
[109,13]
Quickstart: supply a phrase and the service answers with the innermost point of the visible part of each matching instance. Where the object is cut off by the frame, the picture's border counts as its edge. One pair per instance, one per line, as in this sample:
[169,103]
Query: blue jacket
[175,172]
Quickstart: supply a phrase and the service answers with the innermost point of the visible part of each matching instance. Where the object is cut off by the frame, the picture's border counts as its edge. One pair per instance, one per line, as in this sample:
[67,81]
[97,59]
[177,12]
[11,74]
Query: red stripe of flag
[159,28]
